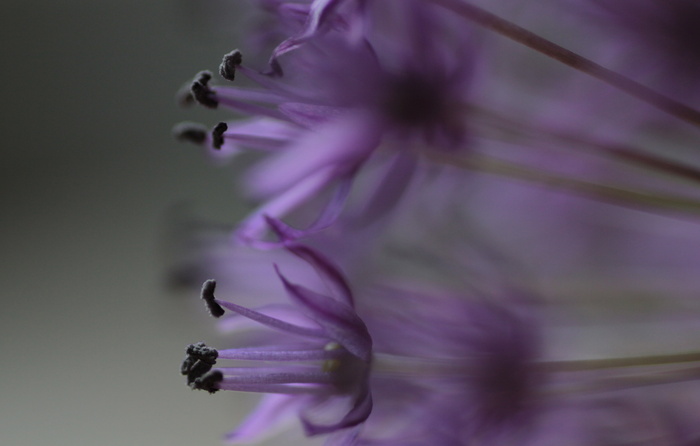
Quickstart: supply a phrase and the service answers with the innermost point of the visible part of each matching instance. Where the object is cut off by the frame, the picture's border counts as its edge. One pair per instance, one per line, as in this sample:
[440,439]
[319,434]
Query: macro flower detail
[402,144]
[325,370]
[477,356]
[325,117]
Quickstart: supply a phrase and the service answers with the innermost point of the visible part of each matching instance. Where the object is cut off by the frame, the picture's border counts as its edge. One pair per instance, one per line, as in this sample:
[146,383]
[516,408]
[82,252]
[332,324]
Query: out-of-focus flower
[441,343]
[657,39]
[339,100]
[478,358]
[467,366]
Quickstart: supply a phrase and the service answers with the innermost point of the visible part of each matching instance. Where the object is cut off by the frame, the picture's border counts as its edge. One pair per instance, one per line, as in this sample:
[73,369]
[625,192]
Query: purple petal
[326,269]
[338,319]
[318,14]
[346,437]
[360,411]
[254,226]
[249,94]
[329,215]
[341,144]
[309,115]
[387,194]
[271,414]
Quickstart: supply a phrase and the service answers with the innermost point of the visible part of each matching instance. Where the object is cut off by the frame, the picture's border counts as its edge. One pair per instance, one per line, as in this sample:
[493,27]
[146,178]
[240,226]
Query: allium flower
[478,358]
[440,344]
[320,15]
[322,355]
[337,102]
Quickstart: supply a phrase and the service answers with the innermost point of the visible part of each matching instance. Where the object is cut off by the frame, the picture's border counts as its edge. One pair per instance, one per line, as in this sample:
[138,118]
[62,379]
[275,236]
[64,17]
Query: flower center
[413,100]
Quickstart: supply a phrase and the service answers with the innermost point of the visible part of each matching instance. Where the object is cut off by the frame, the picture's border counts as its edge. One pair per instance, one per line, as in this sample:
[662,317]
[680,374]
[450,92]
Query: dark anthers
[209,381]
[190,132]
[228,66]
[208,295]
[199,361]
[201,91]
[217,135]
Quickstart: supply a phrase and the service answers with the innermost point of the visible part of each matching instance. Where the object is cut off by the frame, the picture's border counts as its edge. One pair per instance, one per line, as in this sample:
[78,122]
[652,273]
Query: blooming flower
[477,357]
[337,102]
[325,370]
[357,87]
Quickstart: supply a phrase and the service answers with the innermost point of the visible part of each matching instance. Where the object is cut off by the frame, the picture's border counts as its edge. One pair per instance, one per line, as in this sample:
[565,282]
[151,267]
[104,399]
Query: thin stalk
[584,365]
[633,155]
[609,193]
[540,44]
[628,381]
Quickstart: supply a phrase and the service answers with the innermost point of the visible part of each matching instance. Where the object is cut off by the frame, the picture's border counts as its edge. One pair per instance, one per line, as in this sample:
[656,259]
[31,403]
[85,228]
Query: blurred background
[91,338]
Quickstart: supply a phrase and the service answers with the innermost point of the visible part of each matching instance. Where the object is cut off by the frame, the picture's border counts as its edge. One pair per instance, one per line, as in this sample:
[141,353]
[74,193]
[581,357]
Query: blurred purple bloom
[479,357]
[339,100]
[320,15]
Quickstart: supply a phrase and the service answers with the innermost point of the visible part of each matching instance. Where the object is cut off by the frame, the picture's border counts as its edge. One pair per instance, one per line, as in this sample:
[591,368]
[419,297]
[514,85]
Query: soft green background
[90,340]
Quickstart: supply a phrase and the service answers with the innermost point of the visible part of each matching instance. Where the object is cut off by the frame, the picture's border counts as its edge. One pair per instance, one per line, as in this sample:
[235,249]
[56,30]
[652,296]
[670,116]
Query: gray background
[90,338]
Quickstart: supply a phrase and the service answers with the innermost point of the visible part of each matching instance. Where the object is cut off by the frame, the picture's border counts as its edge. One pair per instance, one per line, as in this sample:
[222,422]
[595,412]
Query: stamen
[271,321]
[190,132]
[201,351]
[285,389]
[209,382]
[217,135]
[228,66]
[195,369]
[258,376]
[201,91]
[208,295]
[200,360]
[275,355]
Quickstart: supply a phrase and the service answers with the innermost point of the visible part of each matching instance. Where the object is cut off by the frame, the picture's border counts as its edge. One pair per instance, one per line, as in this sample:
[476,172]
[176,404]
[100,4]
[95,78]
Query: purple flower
[485,380]
[320,15]
[321,353]
[338,101]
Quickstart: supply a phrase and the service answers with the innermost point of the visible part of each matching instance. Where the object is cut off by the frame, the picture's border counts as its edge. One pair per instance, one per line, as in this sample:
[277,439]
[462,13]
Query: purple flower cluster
[444,223]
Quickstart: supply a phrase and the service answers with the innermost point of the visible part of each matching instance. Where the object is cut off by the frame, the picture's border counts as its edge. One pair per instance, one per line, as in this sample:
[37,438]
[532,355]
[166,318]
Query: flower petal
[271,415]
[359,412]
[341,144]
[337,318]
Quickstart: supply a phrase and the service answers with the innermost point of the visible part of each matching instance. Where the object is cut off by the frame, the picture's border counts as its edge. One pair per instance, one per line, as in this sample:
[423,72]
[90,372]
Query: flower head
[476,357]
[321,353]
[339,100]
